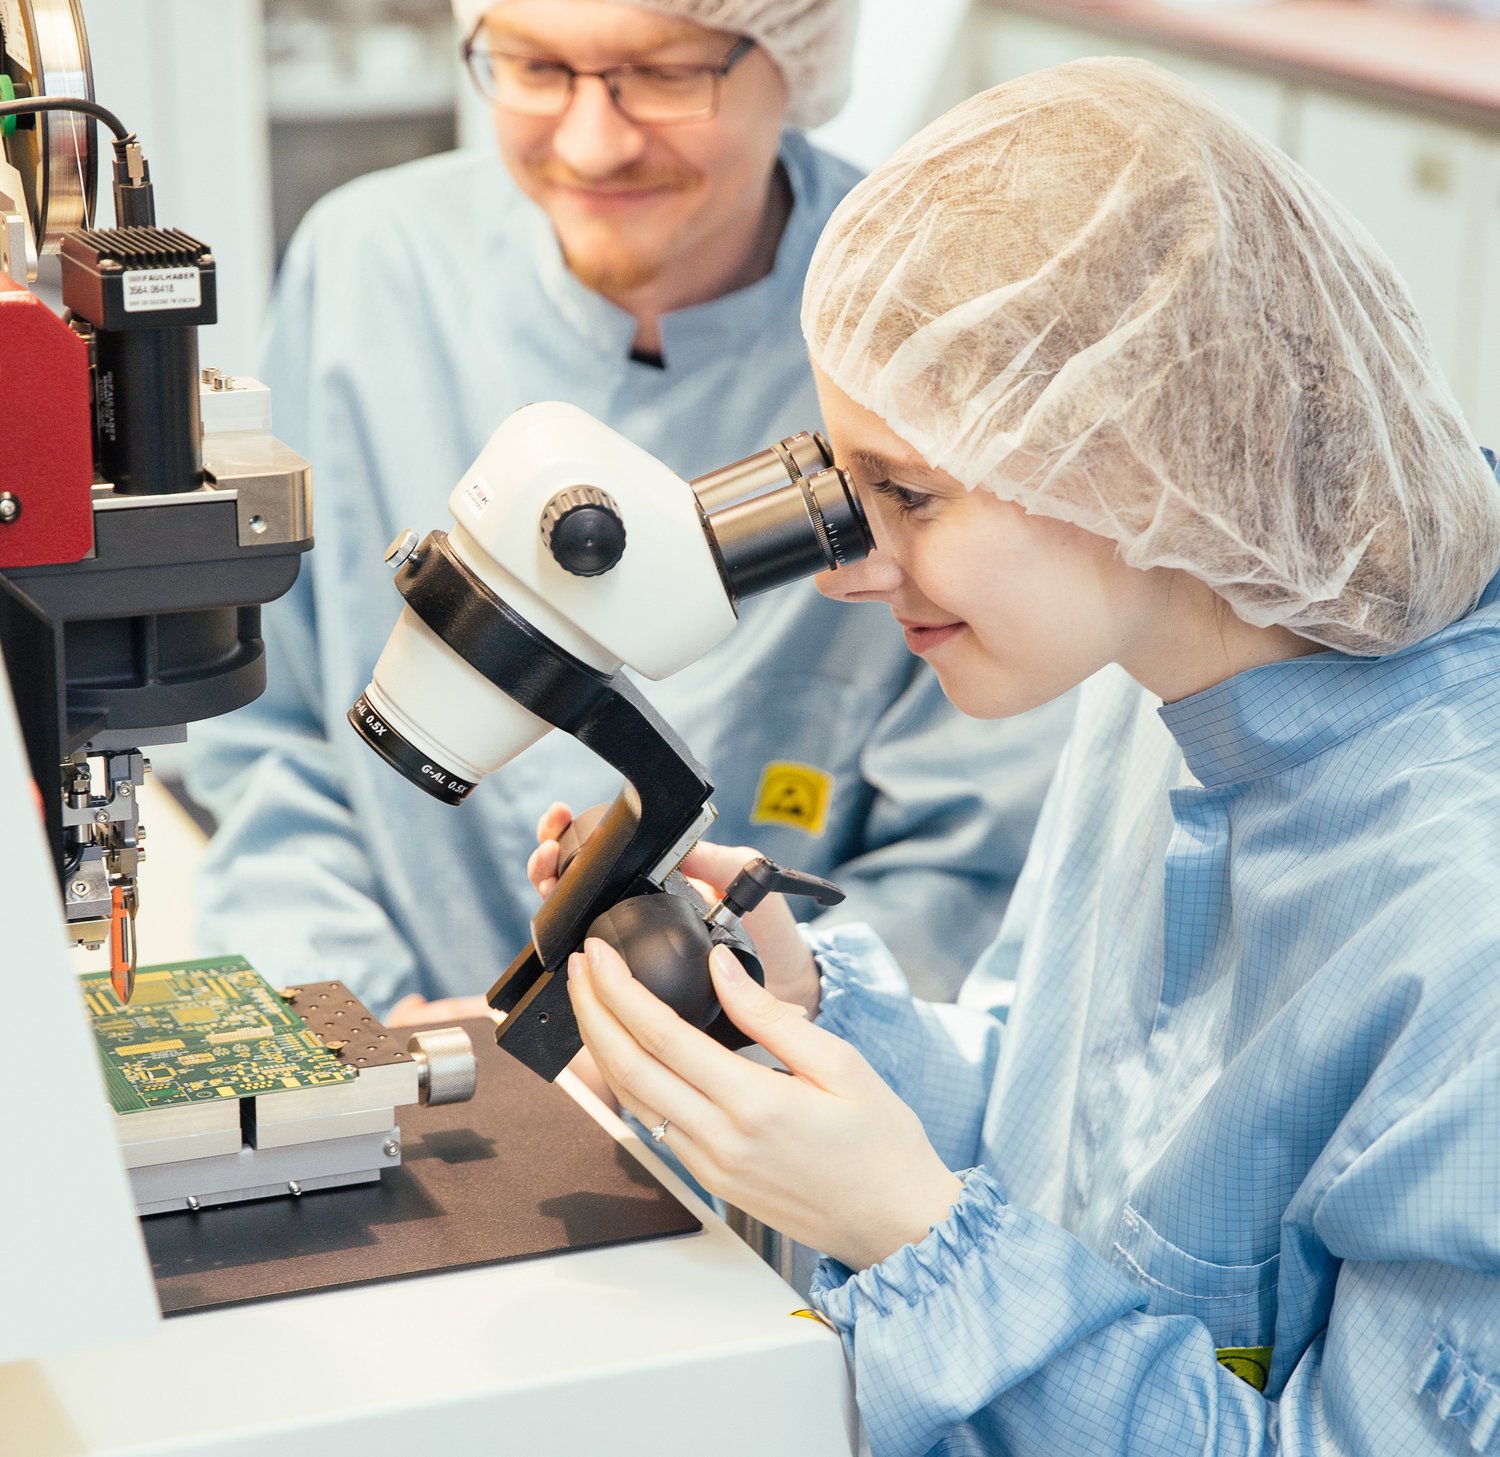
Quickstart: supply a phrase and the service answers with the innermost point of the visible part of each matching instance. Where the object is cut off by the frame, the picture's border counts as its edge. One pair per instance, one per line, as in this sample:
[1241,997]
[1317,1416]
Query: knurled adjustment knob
[446,1068]
[581,527]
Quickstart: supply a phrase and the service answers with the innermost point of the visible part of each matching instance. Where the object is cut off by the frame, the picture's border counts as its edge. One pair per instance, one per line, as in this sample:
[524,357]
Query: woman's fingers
[716,865]
[660,1033]
[782,1028]
[644,1083]
[789,968]
[541,868]
[541,865]
[555,819]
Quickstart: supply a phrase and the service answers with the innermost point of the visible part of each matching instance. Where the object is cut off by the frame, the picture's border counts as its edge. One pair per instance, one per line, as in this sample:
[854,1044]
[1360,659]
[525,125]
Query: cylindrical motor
[146,388]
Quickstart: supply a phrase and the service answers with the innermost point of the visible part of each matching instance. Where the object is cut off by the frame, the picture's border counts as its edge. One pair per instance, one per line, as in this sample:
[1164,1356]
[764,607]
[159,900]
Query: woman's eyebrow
[878,467]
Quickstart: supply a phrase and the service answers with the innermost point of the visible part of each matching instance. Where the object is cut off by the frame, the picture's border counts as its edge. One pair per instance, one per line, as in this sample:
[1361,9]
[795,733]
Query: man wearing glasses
[638,250]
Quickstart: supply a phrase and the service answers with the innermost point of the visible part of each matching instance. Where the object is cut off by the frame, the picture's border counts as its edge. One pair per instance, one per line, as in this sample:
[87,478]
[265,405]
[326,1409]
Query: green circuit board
[200,1031]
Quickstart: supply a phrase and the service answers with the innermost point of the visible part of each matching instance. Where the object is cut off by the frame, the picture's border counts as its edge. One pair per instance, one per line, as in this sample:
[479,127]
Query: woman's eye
[906,501]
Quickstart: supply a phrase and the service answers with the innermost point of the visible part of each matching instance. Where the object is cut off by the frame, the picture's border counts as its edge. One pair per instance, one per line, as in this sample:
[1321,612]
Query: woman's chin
[997,694]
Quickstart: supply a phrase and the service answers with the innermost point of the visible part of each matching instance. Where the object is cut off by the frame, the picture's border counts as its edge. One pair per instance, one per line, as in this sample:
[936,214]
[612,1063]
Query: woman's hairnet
[1096,293]
[811,41]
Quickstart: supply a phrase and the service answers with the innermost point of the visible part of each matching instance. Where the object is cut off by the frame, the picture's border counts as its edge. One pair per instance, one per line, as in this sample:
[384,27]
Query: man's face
[629,201]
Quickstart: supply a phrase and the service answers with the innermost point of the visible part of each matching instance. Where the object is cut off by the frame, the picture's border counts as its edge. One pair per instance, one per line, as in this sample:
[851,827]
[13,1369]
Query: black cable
[134,202]
[69,103]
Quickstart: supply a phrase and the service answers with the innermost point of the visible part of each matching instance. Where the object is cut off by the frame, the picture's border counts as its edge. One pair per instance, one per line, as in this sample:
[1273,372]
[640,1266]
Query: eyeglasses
[648,95]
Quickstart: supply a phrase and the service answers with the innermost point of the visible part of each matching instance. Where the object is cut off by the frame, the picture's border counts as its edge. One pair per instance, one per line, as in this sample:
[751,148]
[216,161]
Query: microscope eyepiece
[781,514]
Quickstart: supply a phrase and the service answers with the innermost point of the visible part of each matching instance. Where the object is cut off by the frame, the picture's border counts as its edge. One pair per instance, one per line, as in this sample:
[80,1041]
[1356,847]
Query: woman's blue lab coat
[1242,1124]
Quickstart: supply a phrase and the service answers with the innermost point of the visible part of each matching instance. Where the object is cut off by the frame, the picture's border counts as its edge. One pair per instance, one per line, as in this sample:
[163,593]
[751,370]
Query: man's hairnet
[1096,293]
[811,41]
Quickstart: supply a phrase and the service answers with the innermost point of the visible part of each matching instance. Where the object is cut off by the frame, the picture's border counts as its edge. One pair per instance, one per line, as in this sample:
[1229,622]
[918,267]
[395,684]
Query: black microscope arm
[665,791]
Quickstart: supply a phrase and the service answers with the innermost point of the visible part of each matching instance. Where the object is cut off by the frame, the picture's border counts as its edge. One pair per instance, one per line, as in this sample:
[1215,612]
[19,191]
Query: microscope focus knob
[581,527]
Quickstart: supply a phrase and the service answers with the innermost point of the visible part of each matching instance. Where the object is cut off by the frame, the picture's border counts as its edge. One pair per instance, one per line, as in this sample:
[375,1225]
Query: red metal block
[46,434]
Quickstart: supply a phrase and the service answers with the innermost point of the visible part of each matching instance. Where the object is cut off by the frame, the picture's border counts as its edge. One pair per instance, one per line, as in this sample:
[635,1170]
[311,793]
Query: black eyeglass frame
[737,53]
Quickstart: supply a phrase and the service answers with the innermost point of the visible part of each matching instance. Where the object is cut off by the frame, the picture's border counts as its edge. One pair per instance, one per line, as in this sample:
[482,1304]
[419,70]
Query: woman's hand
[790,971]
[541,867]
[829,1156]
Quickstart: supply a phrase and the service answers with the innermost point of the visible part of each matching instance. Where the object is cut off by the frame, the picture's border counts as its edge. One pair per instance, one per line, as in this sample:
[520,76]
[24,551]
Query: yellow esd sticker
[793,794]
[1249,1363]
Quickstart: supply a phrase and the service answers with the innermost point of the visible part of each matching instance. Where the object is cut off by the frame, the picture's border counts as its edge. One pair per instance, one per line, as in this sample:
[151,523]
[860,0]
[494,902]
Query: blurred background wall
[251,109]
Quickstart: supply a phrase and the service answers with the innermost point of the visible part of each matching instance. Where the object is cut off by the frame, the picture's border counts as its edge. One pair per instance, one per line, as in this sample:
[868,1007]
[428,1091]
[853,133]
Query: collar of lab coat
[1272,718]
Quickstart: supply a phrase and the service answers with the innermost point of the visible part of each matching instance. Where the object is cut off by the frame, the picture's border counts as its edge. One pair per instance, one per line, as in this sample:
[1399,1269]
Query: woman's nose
[871,580]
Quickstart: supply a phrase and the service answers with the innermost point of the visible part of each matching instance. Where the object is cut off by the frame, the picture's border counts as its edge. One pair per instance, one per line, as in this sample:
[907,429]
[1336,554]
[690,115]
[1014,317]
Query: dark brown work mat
[519,1170]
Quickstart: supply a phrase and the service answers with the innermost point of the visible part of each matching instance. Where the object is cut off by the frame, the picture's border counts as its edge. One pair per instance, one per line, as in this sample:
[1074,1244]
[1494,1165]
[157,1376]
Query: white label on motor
[479,493]
[148,289]
[15,33]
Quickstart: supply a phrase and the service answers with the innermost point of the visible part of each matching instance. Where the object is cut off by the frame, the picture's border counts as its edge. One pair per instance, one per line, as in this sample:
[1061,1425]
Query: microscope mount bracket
[665,796]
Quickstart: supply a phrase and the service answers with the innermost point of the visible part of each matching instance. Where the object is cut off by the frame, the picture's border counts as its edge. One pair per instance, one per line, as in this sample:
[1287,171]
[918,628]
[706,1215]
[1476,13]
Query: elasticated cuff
[907,1277]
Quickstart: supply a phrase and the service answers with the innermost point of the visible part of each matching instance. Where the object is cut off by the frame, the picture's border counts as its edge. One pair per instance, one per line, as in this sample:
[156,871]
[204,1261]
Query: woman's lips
[923,638]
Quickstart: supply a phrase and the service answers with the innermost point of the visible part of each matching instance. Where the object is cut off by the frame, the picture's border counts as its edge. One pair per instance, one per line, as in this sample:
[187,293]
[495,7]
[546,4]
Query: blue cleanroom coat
[1248,1098]
[416,309]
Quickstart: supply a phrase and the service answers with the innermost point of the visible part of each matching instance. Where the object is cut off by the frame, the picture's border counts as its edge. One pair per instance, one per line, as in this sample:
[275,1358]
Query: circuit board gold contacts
[201,1031]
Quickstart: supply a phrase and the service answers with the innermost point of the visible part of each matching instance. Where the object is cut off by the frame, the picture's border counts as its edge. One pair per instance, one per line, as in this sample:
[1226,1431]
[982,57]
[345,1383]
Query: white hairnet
[1096,293]
[811,41]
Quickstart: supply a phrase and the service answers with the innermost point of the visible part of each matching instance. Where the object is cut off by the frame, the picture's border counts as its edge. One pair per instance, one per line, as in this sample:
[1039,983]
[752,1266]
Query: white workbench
[680,1347]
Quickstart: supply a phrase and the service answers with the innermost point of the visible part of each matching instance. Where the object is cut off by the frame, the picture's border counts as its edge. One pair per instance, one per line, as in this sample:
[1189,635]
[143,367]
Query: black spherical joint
[666,943]
[581,527]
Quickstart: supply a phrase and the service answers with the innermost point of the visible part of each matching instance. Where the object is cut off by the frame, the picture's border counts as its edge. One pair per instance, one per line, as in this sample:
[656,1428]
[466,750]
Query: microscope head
[573,547]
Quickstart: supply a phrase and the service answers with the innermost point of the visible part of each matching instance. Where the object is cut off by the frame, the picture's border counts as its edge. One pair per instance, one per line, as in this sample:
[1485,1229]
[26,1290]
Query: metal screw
[101,816]
[390,1148]
[294,1188]
[288,993]
[401,550]
[194,1203]
[334,1045]
[125,790]
[10,508]
[257,524]
[80,888]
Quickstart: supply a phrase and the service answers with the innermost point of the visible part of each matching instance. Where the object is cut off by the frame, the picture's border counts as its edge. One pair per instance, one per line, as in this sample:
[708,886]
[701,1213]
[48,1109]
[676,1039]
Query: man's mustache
[629,179]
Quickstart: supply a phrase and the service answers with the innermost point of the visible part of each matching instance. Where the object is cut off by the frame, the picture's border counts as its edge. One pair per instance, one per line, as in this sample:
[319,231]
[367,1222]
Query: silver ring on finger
[659,1131]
